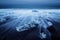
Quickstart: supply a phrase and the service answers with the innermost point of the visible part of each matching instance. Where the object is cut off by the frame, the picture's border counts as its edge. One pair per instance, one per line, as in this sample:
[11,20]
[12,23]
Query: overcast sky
[30,2]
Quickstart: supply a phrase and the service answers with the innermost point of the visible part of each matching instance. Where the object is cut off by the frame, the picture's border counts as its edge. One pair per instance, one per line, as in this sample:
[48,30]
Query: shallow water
[18,19]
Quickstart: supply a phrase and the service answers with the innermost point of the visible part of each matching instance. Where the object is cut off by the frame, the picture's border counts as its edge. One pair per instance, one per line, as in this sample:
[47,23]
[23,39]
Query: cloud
[29,1]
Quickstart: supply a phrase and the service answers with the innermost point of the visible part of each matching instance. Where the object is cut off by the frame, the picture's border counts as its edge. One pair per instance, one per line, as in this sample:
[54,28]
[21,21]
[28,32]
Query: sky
[55,3]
